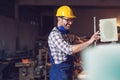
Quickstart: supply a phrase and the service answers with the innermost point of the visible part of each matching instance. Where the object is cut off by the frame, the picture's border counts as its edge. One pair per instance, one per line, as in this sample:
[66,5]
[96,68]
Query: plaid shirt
[59,47]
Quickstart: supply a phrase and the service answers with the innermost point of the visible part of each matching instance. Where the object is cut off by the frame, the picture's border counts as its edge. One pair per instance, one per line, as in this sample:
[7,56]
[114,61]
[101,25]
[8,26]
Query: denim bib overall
[62,71]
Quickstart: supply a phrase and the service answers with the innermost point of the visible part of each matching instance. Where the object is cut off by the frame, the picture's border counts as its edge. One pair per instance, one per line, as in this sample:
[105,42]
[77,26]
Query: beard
[67,26]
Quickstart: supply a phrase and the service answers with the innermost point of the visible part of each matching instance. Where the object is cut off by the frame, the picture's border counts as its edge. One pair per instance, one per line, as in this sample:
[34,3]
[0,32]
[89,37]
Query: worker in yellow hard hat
[66,14]
[61,47]
[65,11]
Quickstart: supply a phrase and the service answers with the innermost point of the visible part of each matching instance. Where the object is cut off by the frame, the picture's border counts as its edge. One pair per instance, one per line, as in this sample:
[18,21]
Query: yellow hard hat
[65,11]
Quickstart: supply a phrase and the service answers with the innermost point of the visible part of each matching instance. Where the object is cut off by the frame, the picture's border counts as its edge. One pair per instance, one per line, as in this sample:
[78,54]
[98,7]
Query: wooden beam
[114,3]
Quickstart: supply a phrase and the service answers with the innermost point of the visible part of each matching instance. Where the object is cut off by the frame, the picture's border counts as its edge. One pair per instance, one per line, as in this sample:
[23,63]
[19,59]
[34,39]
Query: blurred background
[25,26]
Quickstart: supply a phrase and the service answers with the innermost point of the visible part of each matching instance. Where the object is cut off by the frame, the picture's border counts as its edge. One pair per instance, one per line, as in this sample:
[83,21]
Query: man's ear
[60,22]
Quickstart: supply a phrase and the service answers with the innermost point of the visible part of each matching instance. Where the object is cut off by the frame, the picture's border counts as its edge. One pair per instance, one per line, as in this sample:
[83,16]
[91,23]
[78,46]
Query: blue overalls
[62,71]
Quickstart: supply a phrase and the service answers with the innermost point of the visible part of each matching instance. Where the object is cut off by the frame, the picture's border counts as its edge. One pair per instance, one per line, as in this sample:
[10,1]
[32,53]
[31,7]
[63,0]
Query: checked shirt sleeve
[61,43]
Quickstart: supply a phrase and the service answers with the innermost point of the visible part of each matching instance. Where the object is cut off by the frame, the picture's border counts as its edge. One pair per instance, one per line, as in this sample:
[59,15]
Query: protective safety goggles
[68,19]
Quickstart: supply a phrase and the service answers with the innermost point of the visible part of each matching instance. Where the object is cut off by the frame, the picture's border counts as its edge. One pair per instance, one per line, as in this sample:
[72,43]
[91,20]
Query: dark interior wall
[7,34]
[40,16]
[19,35]
[7,8]
[84,23]
[16,35]
[71,2]
[25,36]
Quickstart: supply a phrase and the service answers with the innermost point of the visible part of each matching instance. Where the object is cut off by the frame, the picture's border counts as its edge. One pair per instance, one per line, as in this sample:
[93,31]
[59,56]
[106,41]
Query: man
[61,47]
